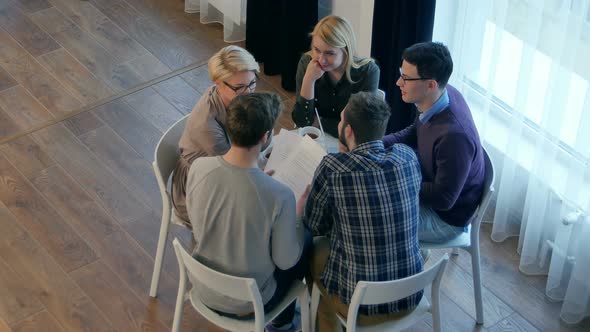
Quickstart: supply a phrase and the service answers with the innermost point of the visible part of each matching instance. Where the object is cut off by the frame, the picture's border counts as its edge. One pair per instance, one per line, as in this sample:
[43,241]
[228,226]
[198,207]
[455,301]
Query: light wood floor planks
[18,301]
[83,84]
[42,321]
[22,107]
[106,32]
[69,54]
[40,219]
[31,6]
[6,81]
[34,39]
[79,206]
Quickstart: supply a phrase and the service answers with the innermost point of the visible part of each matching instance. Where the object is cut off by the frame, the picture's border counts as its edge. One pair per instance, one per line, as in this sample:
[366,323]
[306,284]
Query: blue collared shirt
[366,202]
[437,107]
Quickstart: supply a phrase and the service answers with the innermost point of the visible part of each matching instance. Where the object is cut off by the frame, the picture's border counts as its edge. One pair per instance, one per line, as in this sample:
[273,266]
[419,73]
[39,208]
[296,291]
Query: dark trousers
[285,278]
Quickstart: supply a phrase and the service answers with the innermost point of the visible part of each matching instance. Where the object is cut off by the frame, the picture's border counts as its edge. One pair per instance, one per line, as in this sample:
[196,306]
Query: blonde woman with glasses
[329,73]
[233,71]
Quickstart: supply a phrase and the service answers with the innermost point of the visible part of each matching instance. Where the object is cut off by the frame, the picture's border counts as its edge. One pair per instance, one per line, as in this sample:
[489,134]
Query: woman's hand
[313,72]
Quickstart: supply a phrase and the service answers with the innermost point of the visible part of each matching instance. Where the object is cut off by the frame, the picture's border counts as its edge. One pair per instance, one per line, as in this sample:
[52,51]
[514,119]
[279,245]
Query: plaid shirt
[366,203]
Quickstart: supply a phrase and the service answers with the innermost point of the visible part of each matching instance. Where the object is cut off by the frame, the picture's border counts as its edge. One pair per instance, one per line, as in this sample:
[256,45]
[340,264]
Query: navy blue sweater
[451,159]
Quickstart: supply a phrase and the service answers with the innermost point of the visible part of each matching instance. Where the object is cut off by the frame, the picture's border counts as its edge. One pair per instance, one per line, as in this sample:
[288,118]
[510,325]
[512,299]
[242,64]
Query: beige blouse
[204,134]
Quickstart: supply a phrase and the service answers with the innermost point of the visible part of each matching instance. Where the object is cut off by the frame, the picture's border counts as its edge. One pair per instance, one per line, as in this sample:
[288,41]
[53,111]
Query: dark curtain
[277,33]
[397,25]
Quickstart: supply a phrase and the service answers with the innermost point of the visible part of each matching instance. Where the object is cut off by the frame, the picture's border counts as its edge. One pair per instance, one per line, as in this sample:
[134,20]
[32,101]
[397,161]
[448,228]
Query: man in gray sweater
[245,223]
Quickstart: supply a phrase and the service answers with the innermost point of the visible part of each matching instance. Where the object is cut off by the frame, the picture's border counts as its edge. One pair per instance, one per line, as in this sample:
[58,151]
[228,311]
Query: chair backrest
[389,291]
[244,289]
[488,191]
[381,93]
[235,287]
[166,154]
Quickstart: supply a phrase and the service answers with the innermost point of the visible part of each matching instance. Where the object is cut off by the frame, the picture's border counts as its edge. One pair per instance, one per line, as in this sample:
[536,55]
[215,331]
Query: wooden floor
[79,205]
[63,56]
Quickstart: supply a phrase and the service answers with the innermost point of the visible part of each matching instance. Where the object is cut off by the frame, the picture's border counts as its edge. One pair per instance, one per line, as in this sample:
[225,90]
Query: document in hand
[294,160]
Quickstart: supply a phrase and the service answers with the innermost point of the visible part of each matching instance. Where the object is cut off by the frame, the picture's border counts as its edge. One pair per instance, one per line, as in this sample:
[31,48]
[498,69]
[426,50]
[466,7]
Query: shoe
[295,326]
[425,254]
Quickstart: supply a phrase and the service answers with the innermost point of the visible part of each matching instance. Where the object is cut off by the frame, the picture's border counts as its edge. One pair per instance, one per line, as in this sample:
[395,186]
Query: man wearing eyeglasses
[446,141]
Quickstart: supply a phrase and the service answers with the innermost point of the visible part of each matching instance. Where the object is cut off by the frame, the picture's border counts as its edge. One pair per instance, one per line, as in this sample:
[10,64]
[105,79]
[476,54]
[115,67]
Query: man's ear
[265,137]
[432,85]
[349,133]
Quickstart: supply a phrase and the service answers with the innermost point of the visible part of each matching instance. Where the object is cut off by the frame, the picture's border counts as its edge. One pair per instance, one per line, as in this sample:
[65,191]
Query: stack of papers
[294,160]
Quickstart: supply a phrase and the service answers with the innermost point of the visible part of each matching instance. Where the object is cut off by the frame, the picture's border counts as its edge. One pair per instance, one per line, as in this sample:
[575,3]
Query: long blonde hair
[337,32]
[230,60]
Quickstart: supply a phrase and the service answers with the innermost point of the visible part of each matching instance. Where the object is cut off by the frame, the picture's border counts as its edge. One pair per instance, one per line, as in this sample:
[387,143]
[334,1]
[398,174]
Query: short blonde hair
[336,31]
[230,60]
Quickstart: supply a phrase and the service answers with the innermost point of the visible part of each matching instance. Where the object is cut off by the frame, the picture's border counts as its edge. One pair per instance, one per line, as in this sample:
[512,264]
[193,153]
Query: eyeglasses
[240,89]
[409,79]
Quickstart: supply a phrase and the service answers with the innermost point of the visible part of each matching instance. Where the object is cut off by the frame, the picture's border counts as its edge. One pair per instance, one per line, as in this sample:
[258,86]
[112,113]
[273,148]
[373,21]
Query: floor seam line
[101,102]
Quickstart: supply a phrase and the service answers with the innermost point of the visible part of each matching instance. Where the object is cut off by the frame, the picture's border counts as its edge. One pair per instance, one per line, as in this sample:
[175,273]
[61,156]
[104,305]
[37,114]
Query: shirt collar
[369,147]
[437,107]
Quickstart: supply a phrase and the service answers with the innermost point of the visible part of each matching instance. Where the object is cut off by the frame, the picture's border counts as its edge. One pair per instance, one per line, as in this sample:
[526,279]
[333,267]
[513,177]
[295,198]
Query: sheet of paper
[298,168]
[283,143]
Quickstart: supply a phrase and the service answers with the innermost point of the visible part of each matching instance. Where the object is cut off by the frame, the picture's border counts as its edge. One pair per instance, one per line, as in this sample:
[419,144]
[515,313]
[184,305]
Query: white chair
[381,93]
[165,158]
[366,293]
[244,289]
[470,241]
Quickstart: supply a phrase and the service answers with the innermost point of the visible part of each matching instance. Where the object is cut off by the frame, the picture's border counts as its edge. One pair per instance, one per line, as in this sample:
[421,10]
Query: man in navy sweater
[446,142]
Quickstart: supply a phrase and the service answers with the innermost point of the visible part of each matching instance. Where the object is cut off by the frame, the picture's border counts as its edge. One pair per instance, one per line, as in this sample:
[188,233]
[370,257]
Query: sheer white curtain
[230,13]
[524,67]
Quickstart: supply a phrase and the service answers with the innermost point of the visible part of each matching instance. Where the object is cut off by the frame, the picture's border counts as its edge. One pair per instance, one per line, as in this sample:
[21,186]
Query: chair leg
[435,311]
[305,318]
[315,301]
[180,298]
[160,252]
[477,284]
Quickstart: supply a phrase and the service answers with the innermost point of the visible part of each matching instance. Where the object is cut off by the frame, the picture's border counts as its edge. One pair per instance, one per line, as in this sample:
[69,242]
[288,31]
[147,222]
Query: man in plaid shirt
[364,200]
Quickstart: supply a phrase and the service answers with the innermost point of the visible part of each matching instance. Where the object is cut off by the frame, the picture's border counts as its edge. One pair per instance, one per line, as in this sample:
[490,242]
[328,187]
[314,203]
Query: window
[524,68]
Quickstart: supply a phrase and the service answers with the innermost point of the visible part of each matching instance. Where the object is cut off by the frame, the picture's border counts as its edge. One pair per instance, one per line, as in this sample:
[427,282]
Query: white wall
[360,15]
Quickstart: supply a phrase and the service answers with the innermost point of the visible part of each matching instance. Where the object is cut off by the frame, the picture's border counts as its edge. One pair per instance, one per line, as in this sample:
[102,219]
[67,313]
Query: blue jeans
[431,228]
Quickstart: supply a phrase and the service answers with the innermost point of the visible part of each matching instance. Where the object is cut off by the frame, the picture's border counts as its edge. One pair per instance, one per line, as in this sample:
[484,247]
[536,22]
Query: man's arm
[406,136]
[453,156]
[317,217]
[287,236]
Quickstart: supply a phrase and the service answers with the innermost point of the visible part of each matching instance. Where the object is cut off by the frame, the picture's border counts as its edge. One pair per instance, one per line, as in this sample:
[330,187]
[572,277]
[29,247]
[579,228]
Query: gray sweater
[244,225]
